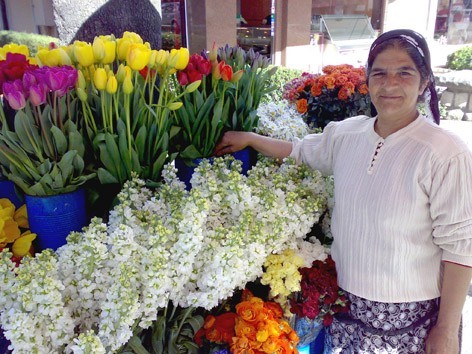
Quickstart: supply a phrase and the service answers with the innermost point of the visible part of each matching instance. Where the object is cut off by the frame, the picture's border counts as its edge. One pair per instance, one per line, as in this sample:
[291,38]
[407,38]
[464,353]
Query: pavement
[464,130]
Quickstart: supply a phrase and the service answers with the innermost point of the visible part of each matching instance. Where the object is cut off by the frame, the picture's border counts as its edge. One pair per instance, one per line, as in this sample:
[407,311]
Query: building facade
[304,34]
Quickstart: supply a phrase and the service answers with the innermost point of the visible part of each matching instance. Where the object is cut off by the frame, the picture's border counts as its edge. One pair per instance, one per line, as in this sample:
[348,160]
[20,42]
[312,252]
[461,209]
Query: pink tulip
[37,94]
[16,98]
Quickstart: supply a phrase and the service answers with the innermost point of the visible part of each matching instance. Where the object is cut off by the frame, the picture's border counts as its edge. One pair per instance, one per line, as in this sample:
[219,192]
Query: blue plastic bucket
[8,190]
[52,218]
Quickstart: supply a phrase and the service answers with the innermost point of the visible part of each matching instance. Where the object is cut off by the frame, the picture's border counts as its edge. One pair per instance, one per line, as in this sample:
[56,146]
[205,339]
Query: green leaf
[137,346]
[60,140]
[190,152]
[157,166]
[27,132]
[125,153]
[106,177]
[140,142]
[66,165]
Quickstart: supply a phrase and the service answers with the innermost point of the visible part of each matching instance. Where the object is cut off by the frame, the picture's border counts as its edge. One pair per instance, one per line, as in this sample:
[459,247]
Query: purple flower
[15,97]
[57,81]
[28,80]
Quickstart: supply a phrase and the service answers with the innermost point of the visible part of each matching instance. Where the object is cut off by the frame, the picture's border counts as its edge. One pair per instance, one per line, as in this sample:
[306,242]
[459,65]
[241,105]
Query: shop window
[173,24]
[254,25]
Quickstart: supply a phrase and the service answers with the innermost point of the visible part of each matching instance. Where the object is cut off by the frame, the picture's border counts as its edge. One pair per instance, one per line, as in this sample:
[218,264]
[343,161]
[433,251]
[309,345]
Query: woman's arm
[234,141]
[443,338]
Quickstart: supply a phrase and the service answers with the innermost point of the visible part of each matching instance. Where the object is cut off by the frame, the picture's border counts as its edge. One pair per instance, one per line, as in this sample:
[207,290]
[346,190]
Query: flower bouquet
[319,299]
[254,326]
[233,82]
[340,92]
[41,148]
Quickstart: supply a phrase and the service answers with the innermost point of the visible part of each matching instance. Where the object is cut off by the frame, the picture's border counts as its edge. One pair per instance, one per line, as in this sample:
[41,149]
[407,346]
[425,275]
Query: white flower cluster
[281,121]
[193,248]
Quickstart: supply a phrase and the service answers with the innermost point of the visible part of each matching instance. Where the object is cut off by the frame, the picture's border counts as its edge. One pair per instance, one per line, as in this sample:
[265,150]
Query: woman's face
[395,84]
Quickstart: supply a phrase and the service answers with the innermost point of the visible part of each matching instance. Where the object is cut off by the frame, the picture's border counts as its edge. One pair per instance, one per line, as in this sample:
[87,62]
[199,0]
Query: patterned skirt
[379,327]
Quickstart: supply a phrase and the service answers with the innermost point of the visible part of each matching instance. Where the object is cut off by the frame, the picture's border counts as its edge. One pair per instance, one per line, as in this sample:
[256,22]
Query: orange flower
[251,310]
[274,309]
[341,80]
[330,82]
[302,105]
[245,329]
[363,89]
[316,89]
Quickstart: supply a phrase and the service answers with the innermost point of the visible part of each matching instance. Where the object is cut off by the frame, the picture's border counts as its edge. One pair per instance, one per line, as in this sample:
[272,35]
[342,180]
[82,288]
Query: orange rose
[302,105]
[245,329]
[363,89]
[341,80]
[274,308]
[316,90]
[330,82]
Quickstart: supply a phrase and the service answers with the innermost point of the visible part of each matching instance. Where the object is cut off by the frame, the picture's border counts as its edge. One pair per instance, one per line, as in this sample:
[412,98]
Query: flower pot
[8,190]
[52,218]
[247,156]
[4,343]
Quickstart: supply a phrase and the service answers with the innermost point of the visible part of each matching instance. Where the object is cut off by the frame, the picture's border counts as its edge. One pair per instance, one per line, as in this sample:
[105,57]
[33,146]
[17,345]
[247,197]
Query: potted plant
[233,82]
[340,92]
[41,148]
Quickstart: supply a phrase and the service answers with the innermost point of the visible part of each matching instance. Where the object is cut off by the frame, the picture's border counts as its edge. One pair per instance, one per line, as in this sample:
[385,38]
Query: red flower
[320,296]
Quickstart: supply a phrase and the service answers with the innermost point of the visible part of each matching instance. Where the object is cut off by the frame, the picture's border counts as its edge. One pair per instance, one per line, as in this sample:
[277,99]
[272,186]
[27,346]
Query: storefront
[453,22]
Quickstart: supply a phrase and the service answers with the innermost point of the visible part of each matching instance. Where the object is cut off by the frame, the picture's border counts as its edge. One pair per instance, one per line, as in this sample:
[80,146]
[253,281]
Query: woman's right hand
[232,141]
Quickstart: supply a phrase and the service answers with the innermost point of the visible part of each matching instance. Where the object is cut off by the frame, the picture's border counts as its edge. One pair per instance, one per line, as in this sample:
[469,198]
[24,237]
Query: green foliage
[31,40]
[279,79]
[460,59]
[171,333]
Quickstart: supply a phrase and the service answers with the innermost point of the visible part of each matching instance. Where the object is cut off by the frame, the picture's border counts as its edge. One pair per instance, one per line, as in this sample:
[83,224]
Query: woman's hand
[232,141]
[442,341]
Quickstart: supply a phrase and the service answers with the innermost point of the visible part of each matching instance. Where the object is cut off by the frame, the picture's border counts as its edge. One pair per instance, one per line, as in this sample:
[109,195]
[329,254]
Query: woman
[402,220]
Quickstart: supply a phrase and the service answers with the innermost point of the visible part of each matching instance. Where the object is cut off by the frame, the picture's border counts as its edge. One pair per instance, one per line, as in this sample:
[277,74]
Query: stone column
[83,19]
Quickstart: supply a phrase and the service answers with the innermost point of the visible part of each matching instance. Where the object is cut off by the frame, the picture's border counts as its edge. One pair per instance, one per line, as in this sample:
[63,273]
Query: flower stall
[231,262]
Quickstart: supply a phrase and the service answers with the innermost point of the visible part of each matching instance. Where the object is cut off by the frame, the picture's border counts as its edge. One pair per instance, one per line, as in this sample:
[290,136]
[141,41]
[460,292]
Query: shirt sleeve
[451,208]
[316,150]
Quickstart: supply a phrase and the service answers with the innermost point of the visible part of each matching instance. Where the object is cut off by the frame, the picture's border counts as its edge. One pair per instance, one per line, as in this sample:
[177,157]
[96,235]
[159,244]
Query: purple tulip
[28,79]
[16,98]
[37,94]
[57,81]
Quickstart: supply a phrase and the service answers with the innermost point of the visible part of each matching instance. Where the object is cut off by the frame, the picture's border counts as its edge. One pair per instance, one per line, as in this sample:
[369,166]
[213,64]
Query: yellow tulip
[110,49]
[9,230]
[83,53]
[98,47]
[184,56]
[22,245]
[100,79]
[237,76]
[122,48]
[133,37]
[138,56]
[174,106]
[53,57]
[193,86]
[81,94]
[7,209]
[161,57]
[21,217]
[81,83]
[127,85]
[121,73]
[112,85]
[13,48]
